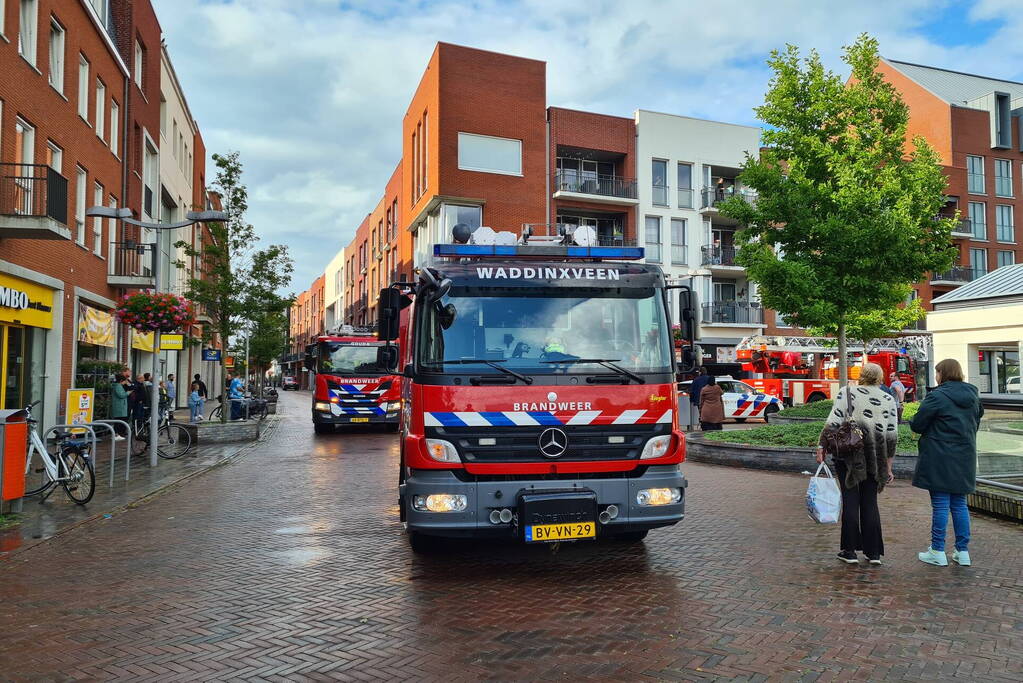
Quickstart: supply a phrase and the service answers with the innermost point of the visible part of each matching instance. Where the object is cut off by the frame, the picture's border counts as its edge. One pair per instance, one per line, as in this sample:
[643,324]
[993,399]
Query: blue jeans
[195,410]
[941,504]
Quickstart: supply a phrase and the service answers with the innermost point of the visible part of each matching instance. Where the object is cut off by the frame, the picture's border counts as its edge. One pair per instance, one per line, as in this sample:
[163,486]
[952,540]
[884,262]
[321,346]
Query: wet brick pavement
[289,564]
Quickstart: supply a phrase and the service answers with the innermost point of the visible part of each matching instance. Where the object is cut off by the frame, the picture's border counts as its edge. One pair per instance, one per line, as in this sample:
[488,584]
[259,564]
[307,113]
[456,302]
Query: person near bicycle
[195,403]
[235,395]
[172,391]
[119,404]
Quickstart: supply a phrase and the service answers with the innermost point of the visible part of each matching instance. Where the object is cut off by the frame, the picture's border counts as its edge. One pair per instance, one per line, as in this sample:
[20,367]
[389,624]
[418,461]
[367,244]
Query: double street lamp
[191,218]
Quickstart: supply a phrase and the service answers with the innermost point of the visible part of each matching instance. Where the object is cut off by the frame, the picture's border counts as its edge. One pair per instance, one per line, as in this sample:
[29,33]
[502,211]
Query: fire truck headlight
[440,502]
[656,447]
[648,497]
[322,406]
[393,406]
[441,451]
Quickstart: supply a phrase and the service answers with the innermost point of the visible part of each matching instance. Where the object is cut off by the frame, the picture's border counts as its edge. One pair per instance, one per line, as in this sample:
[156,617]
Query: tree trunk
[224,401]
[843,357]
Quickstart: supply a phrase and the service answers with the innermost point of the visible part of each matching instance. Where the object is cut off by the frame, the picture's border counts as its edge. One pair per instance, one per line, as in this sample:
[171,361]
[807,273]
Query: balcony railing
[131,264]
[712,196]
[553,231]
[718,256]
[685,198]
[33,190]
[958,274]
[733,313]
[603,185]
[963,227]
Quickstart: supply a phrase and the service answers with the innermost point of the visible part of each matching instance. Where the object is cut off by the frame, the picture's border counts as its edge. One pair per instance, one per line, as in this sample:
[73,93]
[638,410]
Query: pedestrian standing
[195,403]
[119,404]
[712,406]
[947,422]
[141,398]
[898,391]
[202,386]
[863,474]
[235,395]
[172,392]
[695,387]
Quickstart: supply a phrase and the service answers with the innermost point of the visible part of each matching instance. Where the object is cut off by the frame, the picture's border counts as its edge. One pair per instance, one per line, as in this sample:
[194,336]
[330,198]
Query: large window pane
[489,154]
[659,170]
[685,186]
[978,220]
[1003,177]
[453,214]
[978,261]
[678,241]
[975,174]
[1003,223]
[653,238]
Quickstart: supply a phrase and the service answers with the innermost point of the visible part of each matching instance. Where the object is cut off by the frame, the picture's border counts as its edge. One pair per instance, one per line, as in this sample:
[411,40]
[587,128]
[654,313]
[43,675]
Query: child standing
[195,403]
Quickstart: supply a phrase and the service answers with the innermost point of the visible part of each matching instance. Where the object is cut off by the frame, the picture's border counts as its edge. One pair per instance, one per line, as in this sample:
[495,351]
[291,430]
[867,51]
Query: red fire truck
[538,388]
[805,369]
[350,387]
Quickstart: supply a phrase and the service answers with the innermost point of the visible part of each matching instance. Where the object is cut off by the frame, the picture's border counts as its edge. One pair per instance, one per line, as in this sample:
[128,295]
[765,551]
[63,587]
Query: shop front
[26,318]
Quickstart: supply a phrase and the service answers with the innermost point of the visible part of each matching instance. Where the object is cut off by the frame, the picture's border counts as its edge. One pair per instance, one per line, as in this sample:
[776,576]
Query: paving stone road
[289,564]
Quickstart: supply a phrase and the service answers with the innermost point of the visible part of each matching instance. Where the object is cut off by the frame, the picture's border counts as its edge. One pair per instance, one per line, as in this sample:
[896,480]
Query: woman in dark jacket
[947,421]
[712,407]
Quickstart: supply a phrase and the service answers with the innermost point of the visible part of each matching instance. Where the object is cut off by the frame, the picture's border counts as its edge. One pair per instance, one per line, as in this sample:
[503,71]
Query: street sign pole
[154,395]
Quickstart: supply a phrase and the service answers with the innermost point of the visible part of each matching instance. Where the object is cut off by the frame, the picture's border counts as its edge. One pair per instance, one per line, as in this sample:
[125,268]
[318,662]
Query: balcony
[711,197]
[131,265]
[739,313]
[958,275]
[719,257]
[963,228]
[33,202]
[591,187]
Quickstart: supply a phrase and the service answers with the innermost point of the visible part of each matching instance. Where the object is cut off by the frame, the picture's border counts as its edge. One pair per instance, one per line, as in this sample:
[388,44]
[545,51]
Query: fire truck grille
[521,444]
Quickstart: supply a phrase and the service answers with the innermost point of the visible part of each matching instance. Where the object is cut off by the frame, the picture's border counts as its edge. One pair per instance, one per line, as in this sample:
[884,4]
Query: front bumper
[320,417]
[483,497]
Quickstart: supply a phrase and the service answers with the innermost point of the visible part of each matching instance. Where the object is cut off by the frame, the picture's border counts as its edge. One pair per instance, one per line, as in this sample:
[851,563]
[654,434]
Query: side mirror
[690,358]
[309,362]
[388,314]
[408,371]
[387,357]
[689,315]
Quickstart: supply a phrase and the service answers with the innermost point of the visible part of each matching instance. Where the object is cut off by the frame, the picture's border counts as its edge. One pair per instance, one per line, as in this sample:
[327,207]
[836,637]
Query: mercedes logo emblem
[553,443]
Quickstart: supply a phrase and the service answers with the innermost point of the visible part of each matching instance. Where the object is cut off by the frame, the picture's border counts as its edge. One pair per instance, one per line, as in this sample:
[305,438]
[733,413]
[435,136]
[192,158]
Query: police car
[742,402]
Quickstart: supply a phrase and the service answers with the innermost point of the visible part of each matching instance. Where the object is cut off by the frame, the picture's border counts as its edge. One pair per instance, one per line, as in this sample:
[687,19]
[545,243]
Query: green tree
[865,327]
[233,282]
[846,211]
[266,319]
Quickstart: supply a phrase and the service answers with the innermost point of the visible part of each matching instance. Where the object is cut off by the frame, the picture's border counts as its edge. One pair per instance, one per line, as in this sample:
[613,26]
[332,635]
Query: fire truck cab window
[345,359]
[530,329]
[902,365]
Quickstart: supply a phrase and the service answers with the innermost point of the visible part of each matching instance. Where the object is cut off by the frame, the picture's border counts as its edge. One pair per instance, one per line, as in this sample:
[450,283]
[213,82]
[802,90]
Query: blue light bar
[538,251]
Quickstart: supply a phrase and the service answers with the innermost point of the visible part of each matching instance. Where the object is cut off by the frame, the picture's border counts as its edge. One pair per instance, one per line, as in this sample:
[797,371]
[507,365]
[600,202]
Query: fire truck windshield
[528,330]
[338,358]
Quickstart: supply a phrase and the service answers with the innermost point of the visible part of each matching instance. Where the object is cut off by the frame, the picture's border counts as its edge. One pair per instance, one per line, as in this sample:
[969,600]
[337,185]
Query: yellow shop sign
[25,303]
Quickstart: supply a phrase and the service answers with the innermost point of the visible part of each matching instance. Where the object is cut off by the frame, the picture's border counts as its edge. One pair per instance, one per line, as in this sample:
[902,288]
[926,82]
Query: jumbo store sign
[13,298]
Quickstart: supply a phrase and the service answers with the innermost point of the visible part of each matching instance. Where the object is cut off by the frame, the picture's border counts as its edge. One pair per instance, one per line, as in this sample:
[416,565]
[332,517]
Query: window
[102,8]
[174,138]
[80,206]
[101,109]
[1003,178]
[978,220]
[97,223]
[150,177]
[83,87]
[57,56]
[678,241]
[111,235]
[685,186]
[27,28]
[163,117]
[978,262]
[653,239]
[489,154]
[3,10]
[1003,223]
[24,153]
[975,174]
[54,156]
[115,124]
[452,215]
[140,55]
[1006,258]
[659,169]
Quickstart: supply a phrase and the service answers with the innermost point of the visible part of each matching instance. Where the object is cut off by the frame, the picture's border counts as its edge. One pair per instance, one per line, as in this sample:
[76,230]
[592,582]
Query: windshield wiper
[491,363]
[608,363]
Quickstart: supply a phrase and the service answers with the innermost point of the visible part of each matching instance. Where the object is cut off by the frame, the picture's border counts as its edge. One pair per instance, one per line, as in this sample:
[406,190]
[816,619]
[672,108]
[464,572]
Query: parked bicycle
[70,466]
[257,409]
[172,439]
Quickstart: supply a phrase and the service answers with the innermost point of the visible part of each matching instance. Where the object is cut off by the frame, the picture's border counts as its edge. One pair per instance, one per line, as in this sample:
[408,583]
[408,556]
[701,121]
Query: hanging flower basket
[148,311]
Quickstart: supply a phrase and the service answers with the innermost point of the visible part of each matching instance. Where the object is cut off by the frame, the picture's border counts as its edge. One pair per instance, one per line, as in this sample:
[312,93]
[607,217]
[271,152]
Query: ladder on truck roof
[830,344]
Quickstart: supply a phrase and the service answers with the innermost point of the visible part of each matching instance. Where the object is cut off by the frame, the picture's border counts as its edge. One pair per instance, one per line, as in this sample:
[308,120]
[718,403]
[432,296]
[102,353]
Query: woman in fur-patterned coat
[863,476]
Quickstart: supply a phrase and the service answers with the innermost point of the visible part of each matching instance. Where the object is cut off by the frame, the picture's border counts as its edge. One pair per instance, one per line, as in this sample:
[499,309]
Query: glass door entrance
[999,372]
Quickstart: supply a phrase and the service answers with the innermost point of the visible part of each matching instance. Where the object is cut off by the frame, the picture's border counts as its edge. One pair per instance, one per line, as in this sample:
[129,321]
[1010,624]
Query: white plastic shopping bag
[823,497]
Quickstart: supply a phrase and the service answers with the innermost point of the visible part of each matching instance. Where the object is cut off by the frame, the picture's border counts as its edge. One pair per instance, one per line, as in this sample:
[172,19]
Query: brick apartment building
[80,92]
[974,123]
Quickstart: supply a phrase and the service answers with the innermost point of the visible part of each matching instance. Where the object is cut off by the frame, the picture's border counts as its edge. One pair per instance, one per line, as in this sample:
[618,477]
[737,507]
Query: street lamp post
[191,218]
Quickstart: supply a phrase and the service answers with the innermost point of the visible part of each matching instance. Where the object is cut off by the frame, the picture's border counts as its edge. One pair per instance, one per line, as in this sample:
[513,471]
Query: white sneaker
[118,437]
[935,557]
[961,557]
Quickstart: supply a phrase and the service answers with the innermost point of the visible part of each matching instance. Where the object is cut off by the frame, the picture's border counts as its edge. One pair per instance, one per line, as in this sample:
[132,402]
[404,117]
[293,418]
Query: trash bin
[13,445]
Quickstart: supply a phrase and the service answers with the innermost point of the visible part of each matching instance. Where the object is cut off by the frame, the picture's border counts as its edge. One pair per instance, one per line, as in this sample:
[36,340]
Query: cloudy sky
[312,92]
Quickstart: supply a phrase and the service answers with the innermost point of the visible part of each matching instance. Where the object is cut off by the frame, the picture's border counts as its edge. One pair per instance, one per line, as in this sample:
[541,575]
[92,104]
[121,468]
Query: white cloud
[312,93]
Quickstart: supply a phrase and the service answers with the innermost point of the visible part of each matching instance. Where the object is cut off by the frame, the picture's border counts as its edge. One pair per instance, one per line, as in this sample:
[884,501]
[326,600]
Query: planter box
[271,408]
[775,458]
[780,420]
[997,501]
[240,430]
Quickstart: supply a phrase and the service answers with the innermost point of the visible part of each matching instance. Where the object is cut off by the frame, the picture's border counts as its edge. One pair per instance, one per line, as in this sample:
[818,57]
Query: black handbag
[846,440]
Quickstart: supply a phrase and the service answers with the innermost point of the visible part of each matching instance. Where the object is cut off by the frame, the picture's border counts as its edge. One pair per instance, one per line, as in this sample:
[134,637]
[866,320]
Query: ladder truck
[805,369]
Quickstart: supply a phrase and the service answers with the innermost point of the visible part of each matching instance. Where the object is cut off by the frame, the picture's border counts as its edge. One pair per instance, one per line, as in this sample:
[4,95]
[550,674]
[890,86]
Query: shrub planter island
[780,447]
[819,410]
[213,431]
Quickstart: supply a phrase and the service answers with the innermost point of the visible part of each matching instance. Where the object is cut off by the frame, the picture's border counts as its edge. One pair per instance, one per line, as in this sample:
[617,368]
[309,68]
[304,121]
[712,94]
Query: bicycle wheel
[216,413]
[78,476]
[173,442]
[140,441]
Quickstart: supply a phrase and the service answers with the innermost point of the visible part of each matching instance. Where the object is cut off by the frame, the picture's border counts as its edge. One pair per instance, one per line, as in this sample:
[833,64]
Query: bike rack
[87,426]
[113,446]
